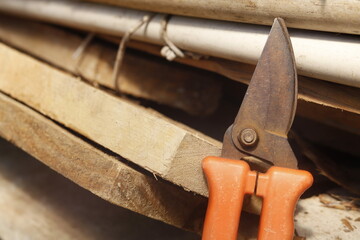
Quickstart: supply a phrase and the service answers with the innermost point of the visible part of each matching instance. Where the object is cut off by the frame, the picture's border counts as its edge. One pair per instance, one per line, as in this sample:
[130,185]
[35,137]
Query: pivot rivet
[248,137]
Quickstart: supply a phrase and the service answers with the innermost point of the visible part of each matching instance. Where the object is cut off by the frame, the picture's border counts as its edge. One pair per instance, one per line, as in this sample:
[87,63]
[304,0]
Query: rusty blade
[270,102]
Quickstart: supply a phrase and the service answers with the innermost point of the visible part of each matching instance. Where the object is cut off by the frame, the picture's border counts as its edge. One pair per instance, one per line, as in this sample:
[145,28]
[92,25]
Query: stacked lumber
[38,203]
[138,140]
[326,56]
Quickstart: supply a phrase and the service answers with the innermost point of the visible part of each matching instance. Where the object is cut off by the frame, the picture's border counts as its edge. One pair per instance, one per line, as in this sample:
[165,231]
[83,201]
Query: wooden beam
[152,141]
[38,203]
[103,174]
[336,105]
[311,90]
[192,90]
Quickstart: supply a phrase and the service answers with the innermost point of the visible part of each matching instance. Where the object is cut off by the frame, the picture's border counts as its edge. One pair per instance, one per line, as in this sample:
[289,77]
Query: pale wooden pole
[323,15]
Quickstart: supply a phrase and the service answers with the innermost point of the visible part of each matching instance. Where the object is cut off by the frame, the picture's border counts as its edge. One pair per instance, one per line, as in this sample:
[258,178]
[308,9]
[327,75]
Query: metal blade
[270,102]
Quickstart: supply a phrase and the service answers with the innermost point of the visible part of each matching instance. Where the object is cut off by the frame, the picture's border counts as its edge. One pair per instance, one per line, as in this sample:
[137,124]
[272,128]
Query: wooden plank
[102,174]
[330,16]
[144,137]
[38,203]
[336,105]
[192,90]
[311,90]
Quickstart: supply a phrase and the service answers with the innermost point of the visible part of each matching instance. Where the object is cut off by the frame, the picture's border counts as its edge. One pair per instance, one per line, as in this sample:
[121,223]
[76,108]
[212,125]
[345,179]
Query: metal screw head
[248,137]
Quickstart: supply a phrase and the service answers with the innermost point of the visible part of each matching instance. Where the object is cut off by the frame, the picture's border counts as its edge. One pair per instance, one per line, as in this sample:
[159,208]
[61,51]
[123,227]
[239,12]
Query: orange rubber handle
[280,188]
[229,180]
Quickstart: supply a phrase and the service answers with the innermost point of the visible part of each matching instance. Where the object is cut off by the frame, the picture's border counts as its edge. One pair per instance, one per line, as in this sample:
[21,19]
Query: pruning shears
[256,155]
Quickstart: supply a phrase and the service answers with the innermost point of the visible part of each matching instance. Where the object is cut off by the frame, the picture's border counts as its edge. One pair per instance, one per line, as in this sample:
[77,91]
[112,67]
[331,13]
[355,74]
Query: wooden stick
[194,91]
[144,137]
[102,174]
[331,16]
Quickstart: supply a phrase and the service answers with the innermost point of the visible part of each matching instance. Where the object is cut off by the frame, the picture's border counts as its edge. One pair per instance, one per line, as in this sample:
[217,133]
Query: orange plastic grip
[280,188]
[229,180]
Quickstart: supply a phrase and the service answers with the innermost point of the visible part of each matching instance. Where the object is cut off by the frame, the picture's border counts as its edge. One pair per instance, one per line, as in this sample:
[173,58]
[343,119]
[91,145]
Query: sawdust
[340,202]
[347,224]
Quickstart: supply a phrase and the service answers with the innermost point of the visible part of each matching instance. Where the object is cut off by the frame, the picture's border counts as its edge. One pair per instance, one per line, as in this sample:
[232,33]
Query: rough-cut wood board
[192,90]
[144,137]
[38,203]
[100,173]
[103,174]
[310,90]
[56,46]
[333,15]
[336,105]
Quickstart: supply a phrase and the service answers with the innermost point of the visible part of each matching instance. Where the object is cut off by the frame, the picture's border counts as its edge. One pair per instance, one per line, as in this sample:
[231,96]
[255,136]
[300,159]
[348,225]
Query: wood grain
[334,104]
[330,16]
[311,90]
[103,174]
[38,203]
[160,145]
[195,91]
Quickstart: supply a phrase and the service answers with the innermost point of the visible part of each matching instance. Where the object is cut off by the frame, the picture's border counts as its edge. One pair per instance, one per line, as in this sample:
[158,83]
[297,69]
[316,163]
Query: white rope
[122,46]
[79,52]
[169,51]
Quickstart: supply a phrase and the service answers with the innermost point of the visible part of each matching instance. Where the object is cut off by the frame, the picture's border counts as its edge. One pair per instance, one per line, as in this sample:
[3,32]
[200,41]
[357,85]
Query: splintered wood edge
[96,171]
[150,140]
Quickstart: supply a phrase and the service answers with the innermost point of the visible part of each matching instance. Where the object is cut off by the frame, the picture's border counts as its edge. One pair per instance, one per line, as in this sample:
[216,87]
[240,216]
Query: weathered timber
[335,104]
[152,141]
[96,171]
[311,90]
[332,16]
[229,40]
[192,90]
[38,203]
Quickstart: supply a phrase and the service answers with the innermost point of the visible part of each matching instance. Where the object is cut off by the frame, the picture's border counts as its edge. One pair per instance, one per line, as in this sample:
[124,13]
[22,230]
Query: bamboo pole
[324,56]
[323,15]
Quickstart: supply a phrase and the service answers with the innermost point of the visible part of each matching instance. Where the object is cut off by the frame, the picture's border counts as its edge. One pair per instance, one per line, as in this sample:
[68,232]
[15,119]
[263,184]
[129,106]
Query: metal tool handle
[280,188]
[228,182]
